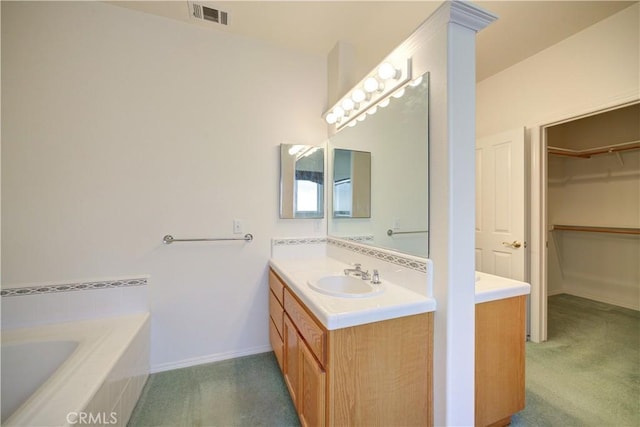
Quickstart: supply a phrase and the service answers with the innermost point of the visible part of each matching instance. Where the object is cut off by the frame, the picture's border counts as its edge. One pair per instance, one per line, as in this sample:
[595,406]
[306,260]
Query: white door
[500,205]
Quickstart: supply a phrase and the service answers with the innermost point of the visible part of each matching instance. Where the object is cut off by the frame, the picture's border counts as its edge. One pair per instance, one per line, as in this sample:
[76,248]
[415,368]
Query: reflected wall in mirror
[301,181]
[397,136]
[351,183]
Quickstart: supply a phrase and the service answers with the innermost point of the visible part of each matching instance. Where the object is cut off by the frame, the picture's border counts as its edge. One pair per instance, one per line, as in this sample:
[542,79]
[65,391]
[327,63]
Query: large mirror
[301,181]
[396,136]
[351,184]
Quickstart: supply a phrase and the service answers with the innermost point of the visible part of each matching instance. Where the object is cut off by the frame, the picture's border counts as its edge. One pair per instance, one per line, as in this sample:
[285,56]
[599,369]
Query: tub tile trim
[69,287]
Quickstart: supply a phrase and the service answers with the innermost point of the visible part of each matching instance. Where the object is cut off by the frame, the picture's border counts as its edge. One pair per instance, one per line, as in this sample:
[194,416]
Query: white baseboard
[185,363]
[587,295]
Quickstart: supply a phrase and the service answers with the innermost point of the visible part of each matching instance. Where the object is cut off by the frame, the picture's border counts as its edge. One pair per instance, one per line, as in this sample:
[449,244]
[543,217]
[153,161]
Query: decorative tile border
[83,286]
[302,241]
[383,255]
[368,238]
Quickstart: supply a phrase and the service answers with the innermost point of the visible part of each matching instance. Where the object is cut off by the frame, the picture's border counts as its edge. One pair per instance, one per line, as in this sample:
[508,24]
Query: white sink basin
[345,286]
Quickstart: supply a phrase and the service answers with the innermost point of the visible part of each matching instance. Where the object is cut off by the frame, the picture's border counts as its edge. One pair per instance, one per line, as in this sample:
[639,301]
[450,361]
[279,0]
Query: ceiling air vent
[206,13]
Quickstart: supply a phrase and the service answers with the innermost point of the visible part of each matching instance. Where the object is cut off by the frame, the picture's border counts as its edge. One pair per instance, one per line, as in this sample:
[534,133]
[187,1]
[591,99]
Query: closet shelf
[586,154]
[613,230]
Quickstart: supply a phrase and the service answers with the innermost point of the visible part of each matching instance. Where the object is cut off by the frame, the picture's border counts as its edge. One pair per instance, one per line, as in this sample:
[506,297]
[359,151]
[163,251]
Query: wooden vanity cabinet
[500,361]
[276,317]
[291,367]
[312,388]
[305,357]
[373,374]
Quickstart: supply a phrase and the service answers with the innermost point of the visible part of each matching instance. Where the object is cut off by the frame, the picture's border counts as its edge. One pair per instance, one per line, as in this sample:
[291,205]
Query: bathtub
[76,373]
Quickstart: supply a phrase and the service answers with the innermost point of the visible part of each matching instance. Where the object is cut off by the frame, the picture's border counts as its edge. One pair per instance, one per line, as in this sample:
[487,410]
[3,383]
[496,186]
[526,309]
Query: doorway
[591,209]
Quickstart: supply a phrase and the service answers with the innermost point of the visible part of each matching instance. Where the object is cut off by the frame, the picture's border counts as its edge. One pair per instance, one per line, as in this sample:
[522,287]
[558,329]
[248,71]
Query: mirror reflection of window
[307,195]
[301,181]
[342,198]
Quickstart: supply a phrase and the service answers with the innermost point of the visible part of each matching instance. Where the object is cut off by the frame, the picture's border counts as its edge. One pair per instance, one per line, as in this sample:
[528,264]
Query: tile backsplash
[414,273]
[298,247]
[408,261]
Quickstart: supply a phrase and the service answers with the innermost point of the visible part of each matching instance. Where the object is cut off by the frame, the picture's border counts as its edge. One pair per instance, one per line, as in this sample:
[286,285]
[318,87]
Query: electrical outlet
[237,226]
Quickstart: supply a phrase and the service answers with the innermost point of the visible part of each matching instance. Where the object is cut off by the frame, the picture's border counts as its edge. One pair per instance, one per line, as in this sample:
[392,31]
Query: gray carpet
[586,374]
[247,391]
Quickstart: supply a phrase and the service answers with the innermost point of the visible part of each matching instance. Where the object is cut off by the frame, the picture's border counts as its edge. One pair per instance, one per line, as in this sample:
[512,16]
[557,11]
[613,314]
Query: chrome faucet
[357,271]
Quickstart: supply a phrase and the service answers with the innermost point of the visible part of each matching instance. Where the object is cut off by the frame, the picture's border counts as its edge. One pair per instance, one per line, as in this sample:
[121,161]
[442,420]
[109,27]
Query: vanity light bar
[374,89]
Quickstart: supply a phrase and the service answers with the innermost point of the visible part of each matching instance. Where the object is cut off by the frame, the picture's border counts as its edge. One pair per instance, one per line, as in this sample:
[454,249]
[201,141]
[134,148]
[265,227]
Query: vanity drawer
[276,312]
[313,334]
[276,286]
[276,343]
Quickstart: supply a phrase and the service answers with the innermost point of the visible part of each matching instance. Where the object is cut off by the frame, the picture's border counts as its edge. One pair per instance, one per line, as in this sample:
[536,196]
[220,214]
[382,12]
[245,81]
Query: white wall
[120,127]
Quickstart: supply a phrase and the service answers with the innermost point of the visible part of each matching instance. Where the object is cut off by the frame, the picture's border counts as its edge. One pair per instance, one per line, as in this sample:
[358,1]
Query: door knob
[515,244]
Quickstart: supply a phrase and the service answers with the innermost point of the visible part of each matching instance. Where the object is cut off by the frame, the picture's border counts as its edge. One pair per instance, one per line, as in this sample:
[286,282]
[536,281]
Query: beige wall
[618,126]
[594,69]
[600,191]
[597,66]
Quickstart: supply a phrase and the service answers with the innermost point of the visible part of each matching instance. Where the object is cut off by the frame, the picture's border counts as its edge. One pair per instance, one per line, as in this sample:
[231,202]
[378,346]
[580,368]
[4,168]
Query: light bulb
[371,111]
[416,82]
[398,93]
[339,112]
[361,117]
[372,85]
[358,96]
[352,123]
[387,71]
[348,104]
[295,149]
[383,103]
[331,118]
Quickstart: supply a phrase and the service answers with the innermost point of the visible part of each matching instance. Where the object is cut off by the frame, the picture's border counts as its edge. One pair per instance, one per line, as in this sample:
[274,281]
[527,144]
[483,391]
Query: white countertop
[396,301]
[337,312]
[491,288]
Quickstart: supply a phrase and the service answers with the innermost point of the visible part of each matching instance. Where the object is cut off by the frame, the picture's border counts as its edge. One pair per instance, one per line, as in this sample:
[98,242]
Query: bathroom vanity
[353,370]
[500,349]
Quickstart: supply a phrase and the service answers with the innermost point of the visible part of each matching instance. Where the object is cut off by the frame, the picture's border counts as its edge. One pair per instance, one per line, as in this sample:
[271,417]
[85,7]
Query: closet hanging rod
[616,148]
[591,229]
[390,232]
[168,239]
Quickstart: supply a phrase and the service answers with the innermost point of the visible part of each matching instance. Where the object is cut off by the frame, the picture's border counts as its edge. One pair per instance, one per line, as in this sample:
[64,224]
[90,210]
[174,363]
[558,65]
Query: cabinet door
[500,360]
[291,358]
[311,399]
[276,344]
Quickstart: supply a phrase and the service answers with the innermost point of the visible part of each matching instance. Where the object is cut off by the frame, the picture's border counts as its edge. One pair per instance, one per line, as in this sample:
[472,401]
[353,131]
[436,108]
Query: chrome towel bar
[390,232]
[168,239]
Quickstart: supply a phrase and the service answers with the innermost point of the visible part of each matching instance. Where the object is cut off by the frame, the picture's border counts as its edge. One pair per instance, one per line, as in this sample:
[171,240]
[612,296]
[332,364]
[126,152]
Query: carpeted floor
[587,374]
[247,391]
